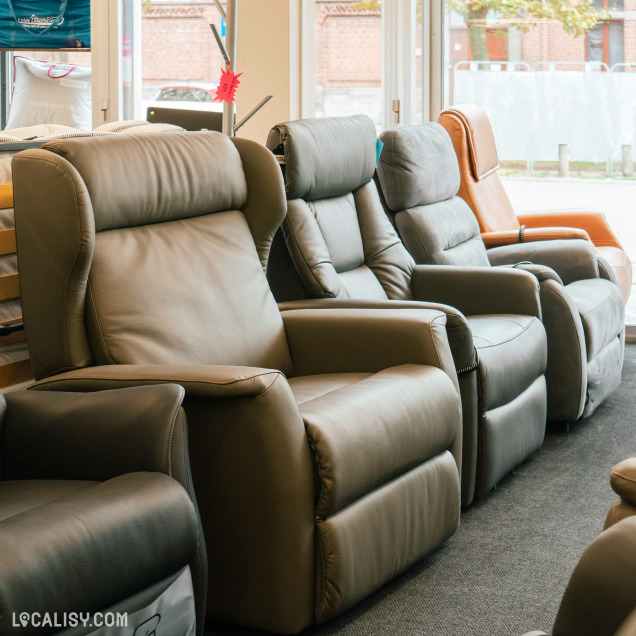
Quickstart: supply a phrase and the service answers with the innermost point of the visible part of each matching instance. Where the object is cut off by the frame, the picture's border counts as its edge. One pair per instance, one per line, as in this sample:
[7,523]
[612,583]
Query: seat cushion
[622,266]
[602,310]
[365,430]
[134,530]
[512,352]
[309,387]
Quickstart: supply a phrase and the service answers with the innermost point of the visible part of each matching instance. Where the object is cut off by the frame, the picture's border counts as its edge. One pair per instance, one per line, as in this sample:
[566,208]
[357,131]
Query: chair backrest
[15,367]
[339,237]
[474,142]
[419,178]
[149,249]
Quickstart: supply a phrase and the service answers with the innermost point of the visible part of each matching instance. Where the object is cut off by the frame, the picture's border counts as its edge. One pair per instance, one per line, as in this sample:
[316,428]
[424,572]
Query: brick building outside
[177,42]
[178,45]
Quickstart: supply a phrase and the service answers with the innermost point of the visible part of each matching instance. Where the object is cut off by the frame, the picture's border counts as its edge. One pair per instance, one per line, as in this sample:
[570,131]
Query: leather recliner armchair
[601,592]
[472,136]
[583,314]
[92,517]
[324,466]
[600,598]
[340,246]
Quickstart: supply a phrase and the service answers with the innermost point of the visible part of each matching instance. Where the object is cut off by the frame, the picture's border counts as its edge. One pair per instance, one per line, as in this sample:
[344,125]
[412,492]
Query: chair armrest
[540,272]
[460,337]
[623,480]
[94,436]
[478,290]
[592,222]
[600,594]
[571,260]
[366,340]
[204,381]
[247,437]
[530,235]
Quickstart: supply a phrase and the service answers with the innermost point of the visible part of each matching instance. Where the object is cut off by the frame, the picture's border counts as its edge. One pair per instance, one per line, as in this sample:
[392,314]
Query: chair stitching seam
[323,573]
[623,477]
[91,300]
[163,380]
[430,330]
[417,233]
[523,330]
[308,267]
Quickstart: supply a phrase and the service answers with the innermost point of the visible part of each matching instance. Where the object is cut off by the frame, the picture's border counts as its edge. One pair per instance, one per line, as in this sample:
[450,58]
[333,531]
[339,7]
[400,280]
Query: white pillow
[47,93]
[34,132]
[135,126]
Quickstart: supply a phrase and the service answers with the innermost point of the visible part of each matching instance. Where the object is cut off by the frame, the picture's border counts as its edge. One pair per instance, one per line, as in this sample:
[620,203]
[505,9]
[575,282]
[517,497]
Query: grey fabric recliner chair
[92,515]
[338,244]
[582,312]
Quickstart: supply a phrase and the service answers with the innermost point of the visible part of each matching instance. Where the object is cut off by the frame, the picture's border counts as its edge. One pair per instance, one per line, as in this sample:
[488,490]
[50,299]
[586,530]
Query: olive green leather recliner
[337,245]
[325,446]
[600,598]
[581,305]
[93,519]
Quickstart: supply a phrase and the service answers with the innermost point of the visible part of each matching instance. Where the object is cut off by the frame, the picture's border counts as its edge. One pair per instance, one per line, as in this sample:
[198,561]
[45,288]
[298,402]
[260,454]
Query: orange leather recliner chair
[474,142]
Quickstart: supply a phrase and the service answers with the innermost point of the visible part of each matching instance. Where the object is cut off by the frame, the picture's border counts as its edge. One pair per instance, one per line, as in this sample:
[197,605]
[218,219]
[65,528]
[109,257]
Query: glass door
[348,59]
[169,57]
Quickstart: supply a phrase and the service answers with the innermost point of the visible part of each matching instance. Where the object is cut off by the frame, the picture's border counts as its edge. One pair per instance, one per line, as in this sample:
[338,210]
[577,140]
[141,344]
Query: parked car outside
[187,94]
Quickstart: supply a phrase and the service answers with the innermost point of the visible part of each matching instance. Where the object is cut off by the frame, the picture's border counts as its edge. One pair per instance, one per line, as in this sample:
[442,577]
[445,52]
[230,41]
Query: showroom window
[558,85]
[169,55]
[348,58]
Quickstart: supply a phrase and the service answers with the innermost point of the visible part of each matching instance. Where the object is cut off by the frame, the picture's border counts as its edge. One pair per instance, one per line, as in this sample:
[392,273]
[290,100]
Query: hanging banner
[45,24]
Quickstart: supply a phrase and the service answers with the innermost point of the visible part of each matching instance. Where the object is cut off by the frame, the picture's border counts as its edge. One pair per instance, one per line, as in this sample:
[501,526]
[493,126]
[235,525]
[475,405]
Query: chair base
[381,535]
[510,434]
[167,608]
[604,375]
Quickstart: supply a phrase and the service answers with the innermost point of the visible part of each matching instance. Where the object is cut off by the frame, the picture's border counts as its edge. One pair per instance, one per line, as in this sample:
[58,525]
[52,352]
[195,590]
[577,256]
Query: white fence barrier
[532,112]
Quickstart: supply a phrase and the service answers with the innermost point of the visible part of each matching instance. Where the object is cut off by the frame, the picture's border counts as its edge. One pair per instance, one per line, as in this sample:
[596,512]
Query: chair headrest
[417,166]
[480,140]
[325,157]
[135,180]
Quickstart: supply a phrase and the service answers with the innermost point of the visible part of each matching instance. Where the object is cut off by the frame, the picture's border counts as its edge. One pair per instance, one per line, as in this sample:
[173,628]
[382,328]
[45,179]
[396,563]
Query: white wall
[264,49]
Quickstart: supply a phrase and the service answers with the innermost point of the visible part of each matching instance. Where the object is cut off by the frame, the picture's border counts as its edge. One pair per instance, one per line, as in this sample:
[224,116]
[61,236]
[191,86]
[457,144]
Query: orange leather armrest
[594,223]
[529,235]
[497,239]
